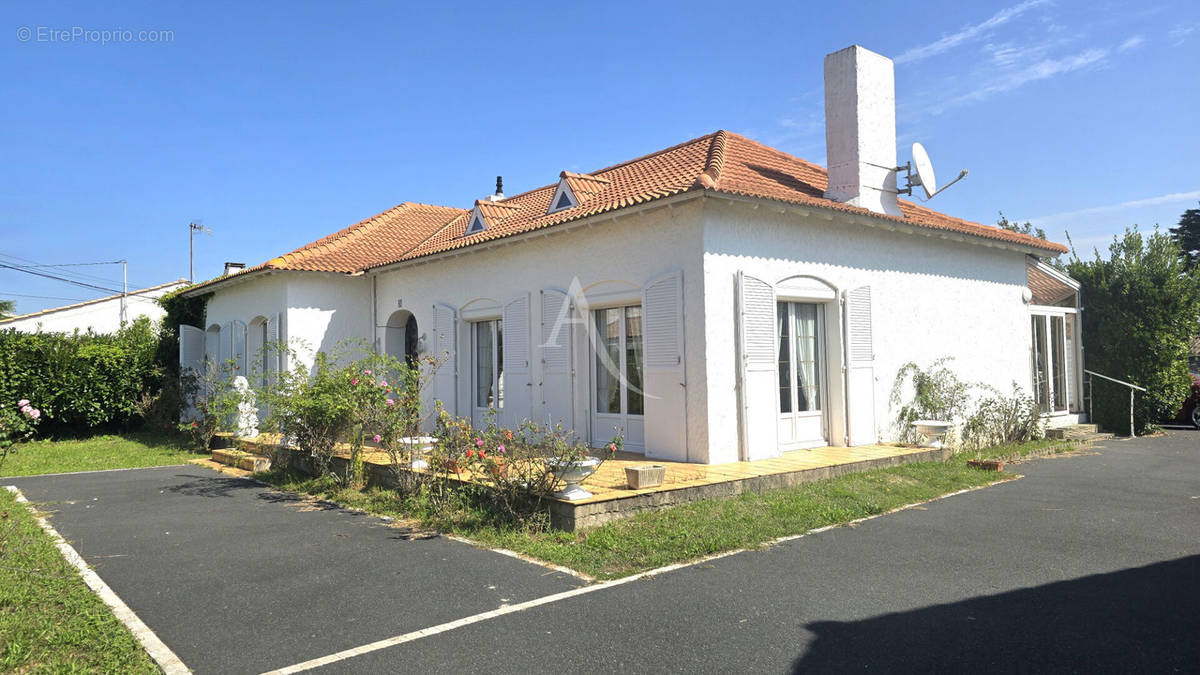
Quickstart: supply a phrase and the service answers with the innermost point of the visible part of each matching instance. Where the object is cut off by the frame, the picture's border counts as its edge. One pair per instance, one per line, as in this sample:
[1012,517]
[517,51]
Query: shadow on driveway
[1145,619]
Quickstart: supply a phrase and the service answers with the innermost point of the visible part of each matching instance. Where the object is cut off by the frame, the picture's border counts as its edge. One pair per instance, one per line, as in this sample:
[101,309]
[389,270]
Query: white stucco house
[718,300]
[102,315]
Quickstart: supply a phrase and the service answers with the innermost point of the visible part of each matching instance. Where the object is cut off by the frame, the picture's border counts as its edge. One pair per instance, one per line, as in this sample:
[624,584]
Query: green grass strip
[50,621]
[126,451]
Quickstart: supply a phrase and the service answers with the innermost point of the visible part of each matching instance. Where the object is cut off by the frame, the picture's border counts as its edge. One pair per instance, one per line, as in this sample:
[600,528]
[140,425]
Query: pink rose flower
[378,438]
[366,372]
[391,402]
[500,449]
[354,382]
[22,403]
[383,383]
[26,408]
[479,442]
[35,413]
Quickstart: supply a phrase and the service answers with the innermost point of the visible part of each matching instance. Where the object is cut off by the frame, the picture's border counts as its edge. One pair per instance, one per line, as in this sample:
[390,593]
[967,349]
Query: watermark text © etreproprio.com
[99,36]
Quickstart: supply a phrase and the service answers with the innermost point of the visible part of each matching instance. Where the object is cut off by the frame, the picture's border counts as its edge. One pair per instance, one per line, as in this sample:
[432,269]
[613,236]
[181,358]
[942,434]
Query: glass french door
[487,366]
[800,328]
[1053,361]
[617,398]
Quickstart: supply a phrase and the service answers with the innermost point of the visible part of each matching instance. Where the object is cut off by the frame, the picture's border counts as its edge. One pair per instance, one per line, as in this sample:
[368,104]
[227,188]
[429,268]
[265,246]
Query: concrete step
[241,460]
[1072,431]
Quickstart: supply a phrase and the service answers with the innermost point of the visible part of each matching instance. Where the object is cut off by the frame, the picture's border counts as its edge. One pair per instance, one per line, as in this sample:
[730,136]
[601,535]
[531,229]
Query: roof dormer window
[478,224]
[564,198]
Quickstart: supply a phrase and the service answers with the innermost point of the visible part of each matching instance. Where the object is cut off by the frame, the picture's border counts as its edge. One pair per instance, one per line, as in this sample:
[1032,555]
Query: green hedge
[81,381]
[1140,307]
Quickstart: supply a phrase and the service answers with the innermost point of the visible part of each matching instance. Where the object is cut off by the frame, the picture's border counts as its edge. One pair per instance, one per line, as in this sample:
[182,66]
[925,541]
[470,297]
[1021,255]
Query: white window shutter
[518,398]
[191,360]
[758,385]
[238,348]
[191,349]
[557,394]
[445,343]
[664,369]
[272,347]
[860,367]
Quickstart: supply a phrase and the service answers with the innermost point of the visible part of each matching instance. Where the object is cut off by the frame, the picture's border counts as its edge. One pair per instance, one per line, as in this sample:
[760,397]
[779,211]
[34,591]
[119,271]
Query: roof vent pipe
[499,190]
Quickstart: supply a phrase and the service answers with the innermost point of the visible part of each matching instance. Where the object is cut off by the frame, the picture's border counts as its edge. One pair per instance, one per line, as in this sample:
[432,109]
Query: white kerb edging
[162,655]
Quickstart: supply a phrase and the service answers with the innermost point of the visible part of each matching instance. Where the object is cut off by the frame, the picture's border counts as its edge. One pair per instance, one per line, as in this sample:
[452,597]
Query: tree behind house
[1141,307]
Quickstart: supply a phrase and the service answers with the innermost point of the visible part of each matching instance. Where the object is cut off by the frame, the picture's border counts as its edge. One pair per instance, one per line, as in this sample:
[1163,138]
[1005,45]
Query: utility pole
[124,291]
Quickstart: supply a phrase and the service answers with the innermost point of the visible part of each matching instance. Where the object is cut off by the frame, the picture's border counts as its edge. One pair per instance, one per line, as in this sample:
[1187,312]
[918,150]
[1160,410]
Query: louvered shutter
[191,361]
[860,368]
[518,400]
[557,400]
[758,386]
[273,349]
[445,379]
[663,362]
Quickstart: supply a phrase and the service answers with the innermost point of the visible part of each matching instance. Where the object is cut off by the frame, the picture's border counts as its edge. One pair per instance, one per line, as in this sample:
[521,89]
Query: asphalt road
[1090,563]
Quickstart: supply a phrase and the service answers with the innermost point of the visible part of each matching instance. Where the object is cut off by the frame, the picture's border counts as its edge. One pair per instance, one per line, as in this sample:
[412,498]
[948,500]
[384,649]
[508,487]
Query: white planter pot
[934,431]
[573,472]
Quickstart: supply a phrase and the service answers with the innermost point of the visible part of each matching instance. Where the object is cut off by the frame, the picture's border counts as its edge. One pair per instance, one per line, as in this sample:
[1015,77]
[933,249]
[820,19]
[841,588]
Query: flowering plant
[17,424]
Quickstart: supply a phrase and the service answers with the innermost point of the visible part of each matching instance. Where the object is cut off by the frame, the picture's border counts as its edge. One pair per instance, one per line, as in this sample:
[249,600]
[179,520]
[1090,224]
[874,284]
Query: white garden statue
[247,422]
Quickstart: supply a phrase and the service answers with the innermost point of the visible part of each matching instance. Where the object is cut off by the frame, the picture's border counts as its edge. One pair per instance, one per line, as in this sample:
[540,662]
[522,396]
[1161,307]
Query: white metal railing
[1132,387]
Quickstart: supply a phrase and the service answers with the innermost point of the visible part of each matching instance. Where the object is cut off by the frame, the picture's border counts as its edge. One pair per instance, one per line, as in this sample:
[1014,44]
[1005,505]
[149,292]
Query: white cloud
[1042,70]
[967,34]
[1132,43]
[1149,201]
[1179,34]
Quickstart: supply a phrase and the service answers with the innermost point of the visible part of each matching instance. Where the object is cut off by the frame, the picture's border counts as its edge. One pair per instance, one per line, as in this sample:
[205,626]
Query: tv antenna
[193,228]
[920,172]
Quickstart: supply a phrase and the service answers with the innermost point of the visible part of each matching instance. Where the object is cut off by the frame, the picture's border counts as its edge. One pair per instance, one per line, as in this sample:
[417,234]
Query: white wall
[614,254]
[932,298]
[101,317]
[319,310]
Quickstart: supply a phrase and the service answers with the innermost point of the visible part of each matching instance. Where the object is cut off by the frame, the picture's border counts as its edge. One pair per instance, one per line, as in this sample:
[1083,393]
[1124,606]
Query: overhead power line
[56,278]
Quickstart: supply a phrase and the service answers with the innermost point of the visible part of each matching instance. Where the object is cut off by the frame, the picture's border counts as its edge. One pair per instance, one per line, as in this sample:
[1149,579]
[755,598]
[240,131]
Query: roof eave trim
[880,222]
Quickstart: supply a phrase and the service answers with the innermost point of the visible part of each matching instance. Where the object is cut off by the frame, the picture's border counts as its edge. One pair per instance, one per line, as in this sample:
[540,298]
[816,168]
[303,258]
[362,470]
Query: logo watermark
[100,36]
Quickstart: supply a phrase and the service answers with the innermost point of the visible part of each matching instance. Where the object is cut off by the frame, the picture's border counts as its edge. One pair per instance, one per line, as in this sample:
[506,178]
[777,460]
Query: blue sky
[278,123]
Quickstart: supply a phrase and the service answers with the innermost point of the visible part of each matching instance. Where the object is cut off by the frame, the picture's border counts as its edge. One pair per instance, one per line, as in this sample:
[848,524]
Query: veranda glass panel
[608,360]
[808,381]
[633,360]
[499,326]
[1058,362]
[785,359]
[1041,375]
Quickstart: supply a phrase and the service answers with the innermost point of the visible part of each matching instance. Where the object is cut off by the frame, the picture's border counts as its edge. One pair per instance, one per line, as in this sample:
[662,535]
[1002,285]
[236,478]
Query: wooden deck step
[242,460]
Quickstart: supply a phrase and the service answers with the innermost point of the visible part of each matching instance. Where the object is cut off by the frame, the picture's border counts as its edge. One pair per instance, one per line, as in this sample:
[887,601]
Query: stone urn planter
[645,476]
[573,472]
[934,432]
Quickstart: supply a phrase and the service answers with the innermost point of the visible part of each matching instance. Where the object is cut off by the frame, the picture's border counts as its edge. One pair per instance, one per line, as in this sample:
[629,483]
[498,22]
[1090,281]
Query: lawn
[50,621]
[678,534]
[125,451]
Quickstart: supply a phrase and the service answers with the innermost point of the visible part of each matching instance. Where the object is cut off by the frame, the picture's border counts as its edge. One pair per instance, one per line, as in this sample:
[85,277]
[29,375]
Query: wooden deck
[612,497]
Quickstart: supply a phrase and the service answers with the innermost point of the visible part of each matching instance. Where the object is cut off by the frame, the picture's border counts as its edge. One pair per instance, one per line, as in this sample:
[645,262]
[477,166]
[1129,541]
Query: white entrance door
[617,399]
[487,370]
[802,378]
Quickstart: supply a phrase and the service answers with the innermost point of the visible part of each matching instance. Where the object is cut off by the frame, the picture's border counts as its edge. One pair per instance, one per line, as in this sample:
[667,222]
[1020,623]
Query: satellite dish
[920,172]
[924,170]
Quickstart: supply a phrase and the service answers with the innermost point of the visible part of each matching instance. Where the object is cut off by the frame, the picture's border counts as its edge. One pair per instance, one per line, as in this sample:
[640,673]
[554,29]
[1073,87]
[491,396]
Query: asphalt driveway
[237,578]
[1089,563]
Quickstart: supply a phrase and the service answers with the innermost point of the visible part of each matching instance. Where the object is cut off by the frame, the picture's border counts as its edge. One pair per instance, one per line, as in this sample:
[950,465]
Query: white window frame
[496,325]
[821,365]
[1074,380]
[563,189]
[622,364]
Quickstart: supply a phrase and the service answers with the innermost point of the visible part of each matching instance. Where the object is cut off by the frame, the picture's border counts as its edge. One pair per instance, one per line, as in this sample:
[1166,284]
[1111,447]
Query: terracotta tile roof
[720,162]
[1046,289]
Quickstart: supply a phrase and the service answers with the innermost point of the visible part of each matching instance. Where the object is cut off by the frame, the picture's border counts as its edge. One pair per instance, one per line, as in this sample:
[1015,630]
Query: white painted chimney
[860,129]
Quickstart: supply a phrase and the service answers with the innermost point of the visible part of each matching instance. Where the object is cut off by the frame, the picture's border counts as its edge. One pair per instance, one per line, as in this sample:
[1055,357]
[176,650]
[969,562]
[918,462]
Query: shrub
[998,419]
[211,403]
[937,394]
[82,380]
[1142,306]
[18,422]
